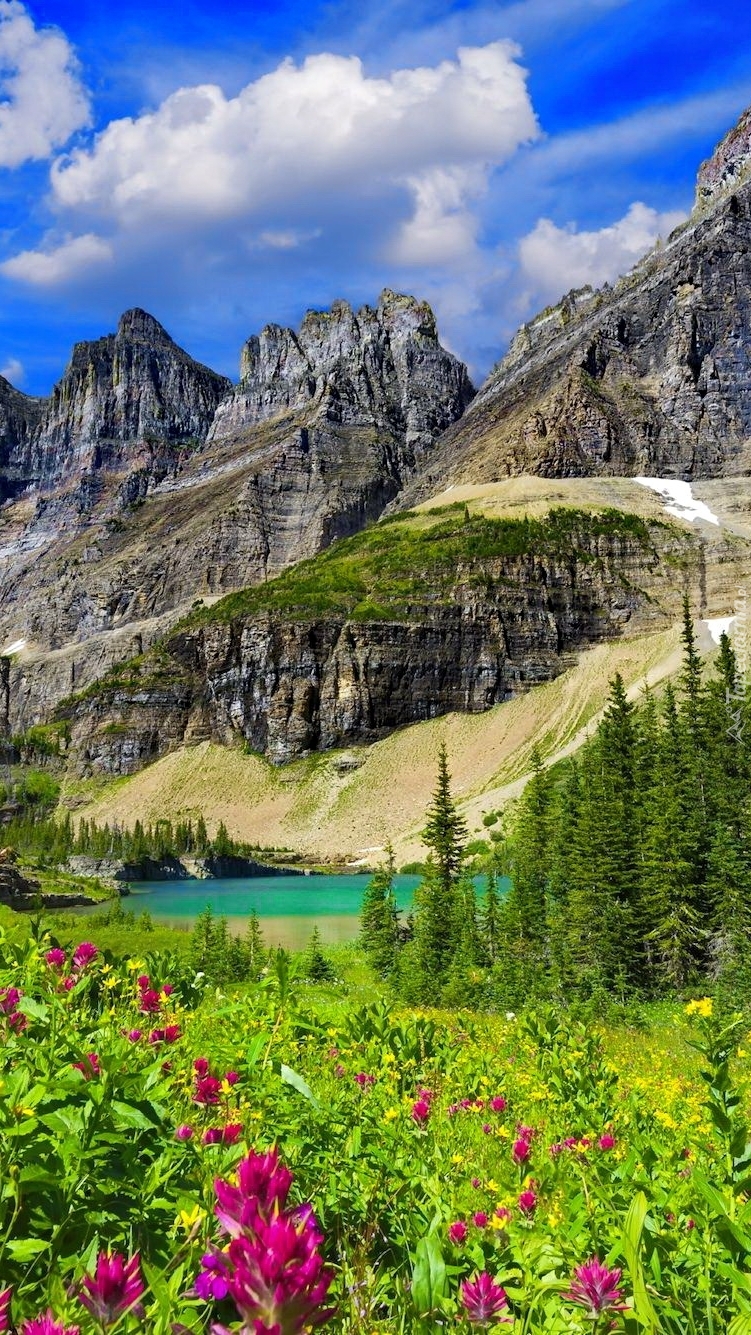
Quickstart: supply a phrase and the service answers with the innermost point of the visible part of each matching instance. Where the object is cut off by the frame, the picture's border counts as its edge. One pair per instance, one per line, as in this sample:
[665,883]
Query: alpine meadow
[375,722]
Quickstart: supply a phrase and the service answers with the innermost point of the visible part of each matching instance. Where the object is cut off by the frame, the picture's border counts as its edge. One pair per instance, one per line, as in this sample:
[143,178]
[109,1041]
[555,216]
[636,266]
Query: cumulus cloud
[42,99]
[60,264]
[291,157]
[13,371]
[556,259]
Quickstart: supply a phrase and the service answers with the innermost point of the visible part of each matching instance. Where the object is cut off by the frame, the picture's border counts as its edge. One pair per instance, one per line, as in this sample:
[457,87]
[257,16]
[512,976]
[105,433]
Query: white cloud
[42,100]
[556,259]
[296,149]
[59,264]
[13,371]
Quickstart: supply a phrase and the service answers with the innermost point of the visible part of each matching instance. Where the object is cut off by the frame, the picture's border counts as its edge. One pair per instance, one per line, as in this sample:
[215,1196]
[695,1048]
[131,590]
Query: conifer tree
[445,830]
[379,919]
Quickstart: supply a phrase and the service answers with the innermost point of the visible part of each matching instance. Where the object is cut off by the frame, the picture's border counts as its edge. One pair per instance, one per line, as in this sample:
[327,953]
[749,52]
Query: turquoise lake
[289,907]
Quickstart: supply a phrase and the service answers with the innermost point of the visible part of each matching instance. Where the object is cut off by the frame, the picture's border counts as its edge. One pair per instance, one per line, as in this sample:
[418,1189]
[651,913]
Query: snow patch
[718,626]
[14,648]
[678,499]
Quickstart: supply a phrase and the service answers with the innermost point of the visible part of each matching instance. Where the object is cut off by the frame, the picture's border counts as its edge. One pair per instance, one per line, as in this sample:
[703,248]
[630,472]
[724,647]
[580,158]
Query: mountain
[146,481]
[651,377]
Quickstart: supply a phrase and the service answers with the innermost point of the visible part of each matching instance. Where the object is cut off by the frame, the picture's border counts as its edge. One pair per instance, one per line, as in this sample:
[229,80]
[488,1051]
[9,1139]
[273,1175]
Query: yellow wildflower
[188,1219]
[702,1008]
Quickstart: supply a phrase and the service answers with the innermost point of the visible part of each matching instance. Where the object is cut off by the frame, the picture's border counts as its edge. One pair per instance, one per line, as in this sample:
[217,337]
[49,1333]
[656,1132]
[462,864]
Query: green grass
[406,566]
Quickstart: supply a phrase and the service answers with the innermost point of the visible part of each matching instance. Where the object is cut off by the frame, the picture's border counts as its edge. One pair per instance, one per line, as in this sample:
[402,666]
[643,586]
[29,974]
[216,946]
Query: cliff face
[650,377]
[465,634]
[150,482]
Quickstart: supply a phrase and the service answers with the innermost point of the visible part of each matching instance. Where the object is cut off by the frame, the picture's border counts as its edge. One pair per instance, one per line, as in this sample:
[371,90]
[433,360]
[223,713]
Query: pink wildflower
[207,1090]
[498,1104]
[232,1077]
[476,1183]
[55,958]
[458,1232]
[420,1111]
[201,1066]
[606,1141]
[521,1151]
[183,1132]
[212,1136]
[272,1268]
[503,1213]
[232,1132]
[9,999]
[45,1324]
[483,1300]
[480,1219]
[115,1287]
[525,1132]
[595,1287]
[133,1035]
[5,1298]
[487,1128]
[69,983]
[149,1002]
[84,954]
[364,1080]
[528,1202]
[89,1066]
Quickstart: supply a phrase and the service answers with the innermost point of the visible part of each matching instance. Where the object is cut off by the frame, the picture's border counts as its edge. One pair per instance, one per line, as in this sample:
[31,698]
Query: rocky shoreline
[183,868]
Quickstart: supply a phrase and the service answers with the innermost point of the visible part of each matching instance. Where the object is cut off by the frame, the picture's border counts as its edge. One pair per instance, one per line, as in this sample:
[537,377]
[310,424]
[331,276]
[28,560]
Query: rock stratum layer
[403,623]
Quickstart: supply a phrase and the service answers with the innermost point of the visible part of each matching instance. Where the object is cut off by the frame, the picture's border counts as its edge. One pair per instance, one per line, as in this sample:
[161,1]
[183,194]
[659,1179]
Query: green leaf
[632,1235]
[126,1114]
[25,1249]
[291,1077]
[34,1009]
[429,1278]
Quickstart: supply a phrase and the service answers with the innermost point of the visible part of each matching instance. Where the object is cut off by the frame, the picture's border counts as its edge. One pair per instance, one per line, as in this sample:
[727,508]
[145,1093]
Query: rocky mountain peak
[376,367]
[137,326]
[730,164]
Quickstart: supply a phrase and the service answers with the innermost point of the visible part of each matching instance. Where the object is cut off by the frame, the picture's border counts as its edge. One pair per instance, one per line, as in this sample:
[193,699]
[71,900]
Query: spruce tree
[379,919]
[445,830]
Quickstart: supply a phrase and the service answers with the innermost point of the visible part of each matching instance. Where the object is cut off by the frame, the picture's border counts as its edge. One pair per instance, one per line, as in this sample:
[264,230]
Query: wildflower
[45,1324]
[5,1298]
[527,1202]
[213,1280]
[187,1219]
[148,1002]
[167,989]
[84,954]
[340,1071]
[201,1067]
[211,1136]
[172,1032]
[498,1104]
[420,1111]
[503,1214]
[556,1149]
[606,1141]
[520,1151]
[364,1080]
[207,1090]
[232,1132]
[483,1300]
[183,1132]
[475,1183]
[133,1035]
[525,1132]
[232,1077]
[9,999]
[480,1219]
[89,1066]
[272,1268]
[69,983]
[458,1232]
[115,1287]
[701,1008]
[55,958]
[487,1128]
[596,1287]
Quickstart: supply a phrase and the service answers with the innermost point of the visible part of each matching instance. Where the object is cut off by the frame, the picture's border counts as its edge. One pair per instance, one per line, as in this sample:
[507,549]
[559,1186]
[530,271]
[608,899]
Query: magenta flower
[213,1279]
[525,1132]
[483,1300]
[487,1128]
[207,1089]
[212,1136]
[596,1287]
[527,1202]
[420,1111]
[363,1080]
[606,1141]
[557,1148]
[5,1298]
[89,1067]
[115,1287]
[167,989]
[498,1104]
[201,1067]
[183,1132]
[84,954]
[143,981]
[45,1324]
[172,1032]
[69,983]
[232,1132]
[458,1232]
[480,1219]
[262,1187]
[55,958]
[133,1035]
[273,1269]
[521,1151]
[475,1183]
[149,1002]
[503,1213]
[9,999]
[232,1077]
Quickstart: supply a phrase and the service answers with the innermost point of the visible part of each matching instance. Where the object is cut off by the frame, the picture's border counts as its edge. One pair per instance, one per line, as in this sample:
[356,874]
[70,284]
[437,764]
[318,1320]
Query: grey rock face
[288,686]
[382,367]
[20,416]
[132,388]
[650,377]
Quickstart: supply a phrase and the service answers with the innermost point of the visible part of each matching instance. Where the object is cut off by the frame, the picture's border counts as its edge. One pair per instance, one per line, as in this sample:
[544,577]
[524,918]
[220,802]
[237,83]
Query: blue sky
[229,165]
